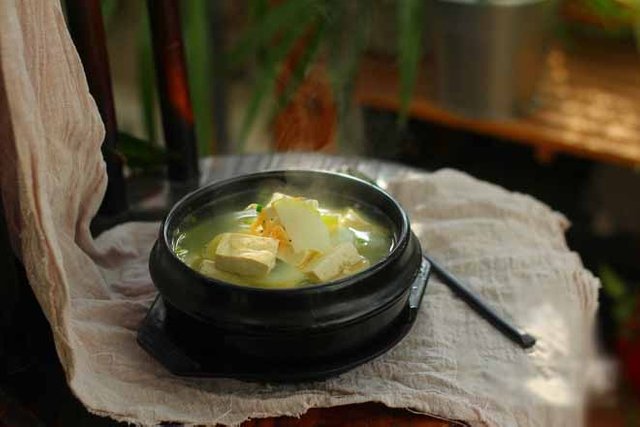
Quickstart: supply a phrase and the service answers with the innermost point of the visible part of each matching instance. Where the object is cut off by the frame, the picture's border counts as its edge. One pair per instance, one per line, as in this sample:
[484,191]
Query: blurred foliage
[147,79]
[140,155]
[345,49]
[195,15]
[624,297]
[619,11]
[109,8]
[622,10]
[270,37]
[336,29]
[410,23]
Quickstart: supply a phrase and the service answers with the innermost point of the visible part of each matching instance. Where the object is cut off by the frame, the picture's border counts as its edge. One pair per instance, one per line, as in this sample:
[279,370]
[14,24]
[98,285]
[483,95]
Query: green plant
[627,11]
[335,30]
[270,37]
[140,155]
[624,297]
[410,19]
[194,15]
[338,28]
[626,314]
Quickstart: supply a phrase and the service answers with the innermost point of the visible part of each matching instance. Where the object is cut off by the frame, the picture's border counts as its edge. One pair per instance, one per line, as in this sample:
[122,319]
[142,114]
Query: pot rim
[396,251]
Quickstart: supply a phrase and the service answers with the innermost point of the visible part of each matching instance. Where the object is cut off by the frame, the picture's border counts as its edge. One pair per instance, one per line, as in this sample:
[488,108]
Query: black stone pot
[302,325]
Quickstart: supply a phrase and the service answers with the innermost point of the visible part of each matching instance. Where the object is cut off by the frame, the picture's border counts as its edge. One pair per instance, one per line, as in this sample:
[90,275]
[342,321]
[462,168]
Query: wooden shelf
[588,104]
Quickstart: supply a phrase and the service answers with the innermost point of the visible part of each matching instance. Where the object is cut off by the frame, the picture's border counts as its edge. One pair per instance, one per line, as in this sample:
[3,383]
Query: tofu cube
[208,268]
[296,259]
[245,254]
[336,262]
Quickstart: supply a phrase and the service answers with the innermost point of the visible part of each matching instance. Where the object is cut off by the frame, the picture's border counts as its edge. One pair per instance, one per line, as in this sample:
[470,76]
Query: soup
[285,243]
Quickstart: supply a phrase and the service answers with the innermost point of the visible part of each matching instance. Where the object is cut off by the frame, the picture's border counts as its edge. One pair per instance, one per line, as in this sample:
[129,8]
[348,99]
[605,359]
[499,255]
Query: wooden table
[59,396]
[363,415]
[588,104]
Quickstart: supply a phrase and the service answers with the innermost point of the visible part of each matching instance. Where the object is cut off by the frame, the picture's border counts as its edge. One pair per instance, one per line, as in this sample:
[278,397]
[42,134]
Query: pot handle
[418,287]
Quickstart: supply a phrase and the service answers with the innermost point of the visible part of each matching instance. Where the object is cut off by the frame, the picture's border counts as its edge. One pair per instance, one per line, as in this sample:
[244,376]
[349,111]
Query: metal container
[488,56]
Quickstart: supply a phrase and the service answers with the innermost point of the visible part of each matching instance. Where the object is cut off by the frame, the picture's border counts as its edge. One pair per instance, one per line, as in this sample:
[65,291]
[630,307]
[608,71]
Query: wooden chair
[87,30]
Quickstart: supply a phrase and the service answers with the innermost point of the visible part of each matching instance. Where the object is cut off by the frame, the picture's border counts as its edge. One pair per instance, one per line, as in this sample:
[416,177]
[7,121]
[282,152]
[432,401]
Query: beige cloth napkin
[509,247]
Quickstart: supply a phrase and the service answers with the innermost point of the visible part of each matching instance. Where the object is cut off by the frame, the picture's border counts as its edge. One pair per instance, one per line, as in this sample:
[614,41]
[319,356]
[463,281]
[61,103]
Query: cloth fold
[508,246]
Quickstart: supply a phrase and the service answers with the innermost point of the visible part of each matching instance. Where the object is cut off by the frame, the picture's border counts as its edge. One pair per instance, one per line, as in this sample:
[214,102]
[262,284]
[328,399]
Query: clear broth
[197,231]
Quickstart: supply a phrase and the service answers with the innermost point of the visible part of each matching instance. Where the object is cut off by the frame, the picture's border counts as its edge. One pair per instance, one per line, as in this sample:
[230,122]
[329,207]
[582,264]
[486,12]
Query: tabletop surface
[366,414]
[362,415]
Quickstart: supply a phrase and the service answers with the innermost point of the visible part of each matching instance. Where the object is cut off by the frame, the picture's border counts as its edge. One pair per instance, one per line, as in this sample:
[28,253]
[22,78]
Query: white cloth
[509,247]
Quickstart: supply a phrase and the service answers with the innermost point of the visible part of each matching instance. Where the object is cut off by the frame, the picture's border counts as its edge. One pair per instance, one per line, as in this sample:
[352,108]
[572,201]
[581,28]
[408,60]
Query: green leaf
[623,309]
[200,70]
[267,74]
[257,10]
[108,9]
[345,50]
[301,68]
[610,9]
[625,301]
[612,284]
[274,20]
[335,21]
[147,78]
[410,22]
[141,154]
[636,32]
